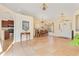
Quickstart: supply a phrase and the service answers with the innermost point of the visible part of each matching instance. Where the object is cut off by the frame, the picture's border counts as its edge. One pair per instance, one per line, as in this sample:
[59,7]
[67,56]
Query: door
[66,29]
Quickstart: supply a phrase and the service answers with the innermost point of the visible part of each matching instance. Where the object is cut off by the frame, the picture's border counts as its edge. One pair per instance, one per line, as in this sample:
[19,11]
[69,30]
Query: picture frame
[25,25]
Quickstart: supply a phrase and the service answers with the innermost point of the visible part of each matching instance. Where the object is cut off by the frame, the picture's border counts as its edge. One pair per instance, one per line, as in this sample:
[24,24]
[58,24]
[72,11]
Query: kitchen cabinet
[7,34]
[8,27]
[8,23]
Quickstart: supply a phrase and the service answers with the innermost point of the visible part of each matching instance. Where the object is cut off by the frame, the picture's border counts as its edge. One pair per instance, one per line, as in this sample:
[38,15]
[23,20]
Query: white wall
[18,26]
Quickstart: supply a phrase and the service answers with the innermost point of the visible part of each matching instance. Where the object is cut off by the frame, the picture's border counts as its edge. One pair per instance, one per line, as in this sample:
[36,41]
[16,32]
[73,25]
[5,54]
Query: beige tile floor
[43,46]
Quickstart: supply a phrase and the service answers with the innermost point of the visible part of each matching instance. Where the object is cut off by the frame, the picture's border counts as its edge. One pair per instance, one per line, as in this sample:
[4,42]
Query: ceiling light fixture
[44,6]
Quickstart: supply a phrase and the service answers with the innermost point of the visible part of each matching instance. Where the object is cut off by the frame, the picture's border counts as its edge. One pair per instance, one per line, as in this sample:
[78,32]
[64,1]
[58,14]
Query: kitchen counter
[6,28]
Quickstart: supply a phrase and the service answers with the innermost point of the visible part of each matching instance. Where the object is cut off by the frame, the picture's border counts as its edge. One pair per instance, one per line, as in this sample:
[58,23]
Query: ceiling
[53,11]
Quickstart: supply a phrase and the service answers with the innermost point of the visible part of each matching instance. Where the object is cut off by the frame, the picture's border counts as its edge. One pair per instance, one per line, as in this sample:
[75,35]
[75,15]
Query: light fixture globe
[44,6]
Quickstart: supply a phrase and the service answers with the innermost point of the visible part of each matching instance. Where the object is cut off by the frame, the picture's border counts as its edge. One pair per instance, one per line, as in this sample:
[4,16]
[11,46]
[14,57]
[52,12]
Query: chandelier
[44,6]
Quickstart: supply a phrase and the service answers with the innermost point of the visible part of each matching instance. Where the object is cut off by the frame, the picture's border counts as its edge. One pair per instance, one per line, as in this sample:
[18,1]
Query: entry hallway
[43,46]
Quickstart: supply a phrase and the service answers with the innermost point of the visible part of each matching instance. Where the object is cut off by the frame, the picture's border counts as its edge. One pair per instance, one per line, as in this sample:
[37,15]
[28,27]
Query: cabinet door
[6,35]
[5,23]
[9,23]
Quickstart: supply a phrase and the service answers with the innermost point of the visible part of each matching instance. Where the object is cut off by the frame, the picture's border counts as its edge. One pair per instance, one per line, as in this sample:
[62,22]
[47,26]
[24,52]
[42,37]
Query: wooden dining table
[39,33]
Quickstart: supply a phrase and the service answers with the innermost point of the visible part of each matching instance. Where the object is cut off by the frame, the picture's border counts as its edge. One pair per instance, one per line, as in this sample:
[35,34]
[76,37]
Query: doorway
[8,28]
[66,29]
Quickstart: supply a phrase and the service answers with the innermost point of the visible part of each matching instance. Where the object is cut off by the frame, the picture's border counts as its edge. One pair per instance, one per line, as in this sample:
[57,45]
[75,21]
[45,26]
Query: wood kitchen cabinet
[8,23]
[7,35]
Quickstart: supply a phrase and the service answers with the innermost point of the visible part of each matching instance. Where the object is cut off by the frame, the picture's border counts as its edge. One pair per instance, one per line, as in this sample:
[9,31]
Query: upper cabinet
[7,23]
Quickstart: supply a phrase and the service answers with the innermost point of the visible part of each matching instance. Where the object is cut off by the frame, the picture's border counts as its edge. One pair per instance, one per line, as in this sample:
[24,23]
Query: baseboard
[21,40]
[63,37]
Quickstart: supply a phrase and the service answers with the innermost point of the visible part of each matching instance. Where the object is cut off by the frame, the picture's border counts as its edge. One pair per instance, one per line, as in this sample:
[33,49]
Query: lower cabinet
[6,35]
